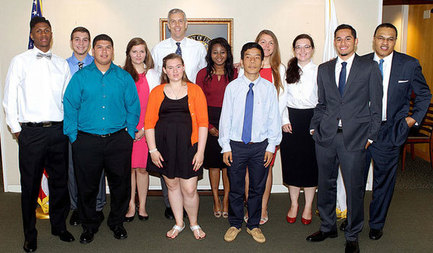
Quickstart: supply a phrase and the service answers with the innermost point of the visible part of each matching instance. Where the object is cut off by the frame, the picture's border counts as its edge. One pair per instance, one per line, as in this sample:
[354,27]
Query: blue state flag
[36,11]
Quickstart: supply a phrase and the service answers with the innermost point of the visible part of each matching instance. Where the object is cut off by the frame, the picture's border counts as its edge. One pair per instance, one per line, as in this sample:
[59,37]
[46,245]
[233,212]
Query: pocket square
[403,81]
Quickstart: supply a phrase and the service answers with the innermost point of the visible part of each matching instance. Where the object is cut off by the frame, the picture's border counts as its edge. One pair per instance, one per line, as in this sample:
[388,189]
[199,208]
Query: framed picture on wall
[202,29]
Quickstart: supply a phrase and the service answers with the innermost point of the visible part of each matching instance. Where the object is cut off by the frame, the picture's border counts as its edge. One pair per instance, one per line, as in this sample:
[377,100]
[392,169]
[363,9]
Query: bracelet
[142,129]
[153,150]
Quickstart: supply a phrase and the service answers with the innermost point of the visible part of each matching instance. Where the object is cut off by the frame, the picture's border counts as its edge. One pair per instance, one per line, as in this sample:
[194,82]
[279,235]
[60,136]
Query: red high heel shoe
[292,220]
[305,221]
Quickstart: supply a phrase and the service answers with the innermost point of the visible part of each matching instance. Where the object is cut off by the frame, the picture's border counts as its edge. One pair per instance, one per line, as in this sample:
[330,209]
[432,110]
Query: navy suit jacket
[406,76]
[360,107]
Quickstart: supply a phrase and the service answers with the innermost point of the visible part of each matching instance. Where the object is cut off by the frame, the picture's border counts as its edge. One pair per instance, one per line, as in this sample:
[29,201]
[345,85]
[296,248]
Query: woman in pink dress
[139,64]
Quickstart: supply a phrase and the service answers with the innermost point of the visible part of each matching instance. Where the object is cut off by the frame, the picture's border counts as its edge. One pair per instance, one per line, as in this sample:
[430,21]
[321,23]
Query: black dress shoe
[320,236]
[169,213]
[375,234]
[30,246]
[64,236]
[352,247]
[119,232]
[343,225]
[143,217]
[75,218]
[86,236]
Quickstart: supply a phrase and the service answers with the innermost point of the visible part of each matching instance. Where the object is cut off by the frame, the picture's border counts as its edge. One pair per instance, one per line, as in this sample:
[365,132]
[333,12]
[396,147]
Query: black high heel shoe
[129,219]
[143,217]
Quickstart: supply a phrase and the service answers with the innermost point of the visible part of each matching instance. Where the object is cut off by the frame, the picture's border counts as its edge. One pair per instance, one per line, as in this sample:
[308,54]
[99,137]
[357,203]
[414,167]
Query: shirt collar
[248,81]
[386,59]
[87,60]
[349,61]
[308,65]
[173,42]
[93,67]
[37,50]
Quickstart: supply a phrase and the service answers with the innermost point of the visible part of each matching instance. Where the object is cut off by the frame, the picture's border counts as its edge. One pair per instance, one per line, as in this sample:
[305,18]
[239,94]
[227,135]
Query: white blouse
[300,95]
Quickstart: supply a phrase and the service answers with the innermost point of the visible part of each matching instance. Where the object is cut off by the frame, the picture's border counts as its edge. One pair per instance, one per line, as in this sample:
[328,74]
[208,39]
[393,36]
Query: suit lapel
[352,74]
[331,72]
[396,69]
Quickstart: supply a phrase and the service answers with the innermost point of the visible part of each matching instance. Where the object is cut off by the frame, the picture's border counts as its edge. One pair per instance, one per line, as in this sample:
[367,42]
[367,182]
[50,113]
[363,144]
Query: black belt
[42,124]
[339,129]
[102,135]
[383,123]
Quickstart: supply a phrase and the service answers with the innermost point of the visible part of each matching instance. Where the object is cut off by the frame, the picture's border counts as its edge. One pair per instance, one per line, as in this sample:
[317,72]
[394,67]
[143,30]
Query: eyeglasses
[306,47]
[383,39]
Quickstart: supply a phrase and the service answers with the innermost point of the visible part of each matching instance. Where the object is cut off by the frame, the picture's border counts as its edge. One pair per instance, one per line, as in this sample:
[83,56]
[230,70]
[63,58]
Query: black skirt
[298,155]
[213,158]
[173,140]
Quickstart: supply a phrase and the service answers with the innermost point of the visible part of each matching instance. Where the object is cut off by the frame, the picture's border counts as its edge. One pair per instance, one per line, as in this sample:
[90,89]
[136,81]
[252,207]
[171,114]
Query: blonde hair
[275,59]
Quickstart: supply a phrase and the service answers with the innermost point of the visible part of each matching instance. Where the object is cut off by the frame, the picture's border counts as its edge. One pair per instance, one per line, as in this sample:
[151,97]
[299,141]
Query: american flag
[36,11]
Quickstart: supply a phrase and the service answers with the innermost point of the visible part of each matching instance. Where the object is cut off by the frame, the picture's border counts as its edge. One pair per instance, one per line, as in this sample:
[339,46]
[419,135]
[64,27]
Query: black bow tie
[40,55]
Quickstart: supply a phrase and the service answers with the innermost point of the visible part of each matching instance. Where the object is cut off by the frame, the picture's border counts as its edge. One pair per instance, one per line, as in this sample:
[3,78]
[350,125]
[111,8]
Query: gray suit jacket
[359,108]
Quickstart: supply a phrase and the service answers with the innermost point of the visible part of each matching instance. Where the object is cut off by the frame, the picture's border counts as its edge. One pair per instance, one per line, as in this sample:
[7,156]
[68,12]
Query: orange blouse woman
[176,126]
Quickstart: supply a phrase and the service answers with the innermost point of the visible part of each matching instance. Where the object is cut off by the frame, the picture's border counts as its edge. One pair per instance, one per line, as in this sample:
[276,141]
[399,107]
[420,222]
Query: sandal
[198,229]
[217,214]
[263,220]
[225,215]
[174,229]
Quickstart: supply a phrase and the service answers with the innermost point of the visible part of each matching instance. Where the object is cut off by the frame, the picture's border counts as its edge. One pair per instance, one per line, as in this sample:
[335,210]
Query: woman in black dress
[176,126]
[298,156]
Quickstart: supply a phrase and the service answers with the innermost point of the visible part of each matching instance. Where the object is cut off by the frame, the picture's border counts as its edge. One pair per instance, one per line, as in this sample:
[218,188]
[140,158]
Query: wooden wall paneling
[420,46]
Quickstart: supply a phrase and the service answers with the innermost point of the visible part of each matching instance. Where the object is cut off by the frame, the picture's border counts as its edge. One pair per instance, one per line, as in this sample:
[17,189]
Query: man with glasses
[402,75]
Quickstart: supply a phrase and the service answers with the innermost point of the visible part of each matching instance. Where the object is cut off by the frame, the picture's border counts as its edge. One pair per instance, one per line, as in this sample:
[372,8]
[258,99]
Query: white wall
[123,20]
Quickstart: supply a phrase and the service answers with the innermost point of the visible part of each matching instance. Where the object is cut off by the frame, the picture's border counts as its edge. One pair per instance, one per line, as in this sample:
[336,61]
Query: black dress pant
[352,164]
[92,154]
[251,156]
[39,148]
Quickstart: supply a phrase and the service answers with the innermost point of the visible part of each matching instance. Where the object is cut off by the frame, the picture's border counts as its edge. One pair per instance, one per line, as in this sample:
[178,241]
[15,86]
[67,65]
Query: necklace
[176,95]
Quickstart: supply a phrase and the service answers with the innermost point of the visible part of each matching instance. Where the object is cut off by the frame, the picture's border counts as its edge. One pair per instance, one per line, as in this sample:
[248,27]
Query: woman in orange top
[176,126]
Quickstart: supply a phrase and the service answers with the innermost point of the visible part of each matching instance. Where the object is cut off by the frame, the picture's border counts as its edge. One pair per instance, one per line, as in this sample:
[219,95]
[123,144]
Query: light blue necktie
[248,116]
[342,80]
[178,50]
[381,66]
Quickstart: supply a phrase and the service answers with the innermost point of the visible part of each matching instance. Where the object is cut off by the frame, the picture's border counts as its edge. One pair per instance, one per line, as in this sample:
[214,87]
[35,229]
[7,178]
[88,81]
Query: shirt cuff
[271,148]
[226,148]
[15,127]
[371,141]
[311,131]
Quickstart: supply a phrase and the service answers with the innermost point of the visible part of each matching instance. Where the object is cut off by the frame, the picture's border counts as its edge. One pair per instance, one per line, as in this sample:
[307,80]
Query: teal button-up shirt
[100,103]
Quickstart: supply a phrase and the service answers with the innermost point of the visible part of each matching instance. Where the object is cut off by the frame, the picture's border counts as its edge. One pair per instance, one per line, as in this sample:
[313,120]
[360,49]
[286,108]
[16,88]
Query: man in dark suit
[346,121]
[402,75]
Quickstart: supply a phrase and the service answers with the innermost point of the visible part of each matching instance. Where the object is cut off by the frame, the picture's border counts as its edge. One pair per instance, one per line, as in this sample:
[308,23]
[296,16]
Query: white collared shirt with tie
[387,63]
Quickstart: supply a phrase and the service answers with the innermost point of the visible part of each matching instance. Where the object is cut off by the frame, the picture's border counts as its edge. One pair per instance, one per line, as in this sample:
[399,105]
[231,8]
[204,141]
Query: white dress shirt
[300,95]
[387,63]
[34,89]
[266,115]
[193,54]
[282,92]
[338,67]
